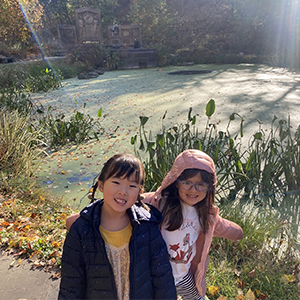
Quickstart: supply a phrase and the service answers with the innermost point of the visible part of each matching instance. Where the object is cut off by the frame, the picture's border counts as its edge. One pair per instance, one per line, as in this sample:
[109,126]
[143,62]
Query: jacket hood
[136,213]
[189,159]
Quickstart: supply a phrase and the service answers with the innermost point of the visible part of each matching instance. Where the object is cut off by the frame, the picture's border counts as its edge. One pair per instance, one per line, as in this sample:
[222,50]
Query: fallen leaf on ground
[213,290]
[241,284]
[252,273]
[249,295]
[288,279]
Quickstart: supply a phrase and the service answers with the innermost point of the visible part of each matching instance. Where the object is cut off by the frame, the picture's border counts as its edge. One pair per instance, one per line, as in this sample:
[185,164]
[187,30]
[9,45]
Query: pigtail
[142,203]
[92,192]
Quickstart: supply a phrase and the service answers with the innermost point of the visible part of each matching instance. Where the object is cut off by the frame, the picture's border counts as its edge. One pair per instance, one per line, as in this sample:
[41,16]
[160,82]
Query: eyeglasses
[187,185]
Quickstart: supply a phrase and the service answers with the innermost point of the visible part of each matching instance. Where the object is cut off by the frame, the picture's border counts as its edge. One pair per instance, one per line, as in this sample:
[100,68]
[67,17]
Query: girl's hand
[70,220]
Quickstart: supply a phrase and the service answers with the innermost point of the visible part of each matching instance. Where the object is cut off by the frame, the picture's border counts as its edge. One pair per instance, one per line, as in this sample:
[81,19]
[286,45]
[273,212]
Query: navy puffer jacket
[86,270]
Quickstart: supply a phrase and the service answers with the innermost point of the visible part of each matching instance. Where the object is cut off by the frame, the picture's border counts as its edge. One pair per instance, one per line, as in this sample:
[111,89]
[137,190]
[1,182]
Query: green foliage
[218,31]
[59,130]
[68,68]
[41,79]
[112,59]
[33,77]
[26,131]
[12,99]
[15,33]
[163,149]
[289,147]
[269,166]
[92,55]
[157,20]
[264,257]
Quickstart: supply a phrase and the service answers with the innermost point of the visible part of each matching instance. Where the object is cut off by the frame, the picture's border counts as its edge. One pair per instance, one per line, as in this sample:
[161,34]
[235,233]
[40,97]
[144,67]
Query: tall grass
[20,147]
[265,262]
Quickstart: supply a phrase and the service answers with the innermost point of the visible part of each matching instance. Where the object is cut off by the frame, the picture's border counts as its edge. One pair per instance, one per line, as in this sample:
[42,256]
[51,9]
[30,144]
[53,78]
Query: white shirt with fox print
[181,243]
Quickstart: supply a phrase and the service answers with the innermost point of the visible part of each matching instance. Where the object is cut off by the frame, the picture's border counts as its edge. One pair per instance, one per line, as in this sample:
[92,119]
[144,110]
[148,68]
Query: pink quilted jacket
[219,227]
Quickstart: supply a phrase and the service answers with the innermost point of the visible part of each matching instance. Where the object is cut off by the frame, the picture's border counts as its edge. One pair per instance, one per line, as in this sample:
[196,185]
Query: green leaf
[142,147]
[99,114]
[133,139]
[160,140]
[170,137]
[258,136]
[210,107]
[189,114]
[143,120]
[239,165]
[150,145]
[232,117]
[241,129]
[250,161]
[200,145]
[164,115]
[194,120]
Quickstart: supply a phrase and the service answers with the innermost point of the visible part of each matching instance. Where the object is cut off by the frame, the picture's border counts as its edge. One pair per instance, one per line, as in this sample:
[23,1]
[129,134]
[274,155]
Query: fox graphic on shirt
[182,255]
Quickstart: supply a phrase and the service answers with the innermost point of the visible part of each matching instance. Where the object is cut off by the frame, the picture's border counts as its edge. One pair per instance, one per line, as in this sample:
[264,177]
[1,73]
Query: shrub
[163,149]
[41,78]
[58,130]
[12,99]
[68,70]
[92,55]
[31,77]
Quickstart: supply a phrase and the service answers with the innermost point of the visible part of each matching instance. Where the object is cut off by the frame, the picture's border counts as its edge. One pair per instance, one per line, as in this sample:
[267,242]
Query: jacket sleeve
[73,275]
[161,270]
[151,198]
[227,229]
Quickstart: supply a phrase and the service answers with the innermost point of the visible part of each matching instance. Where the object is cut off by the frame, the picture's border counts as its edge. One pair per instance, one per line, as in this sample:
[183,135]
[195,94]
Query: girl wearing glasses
[190,220]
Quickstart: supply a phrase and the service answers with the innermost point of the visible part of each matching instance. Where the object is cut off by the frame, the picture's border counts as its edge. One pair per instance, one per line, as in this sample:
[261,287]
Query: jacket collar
[137,213]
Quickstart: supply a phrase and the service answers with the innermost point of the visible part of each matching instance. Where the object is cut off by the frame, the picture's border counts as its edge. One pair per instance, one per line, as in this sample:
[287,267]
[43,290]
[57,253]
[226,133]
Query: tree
[15,20]
[155,19]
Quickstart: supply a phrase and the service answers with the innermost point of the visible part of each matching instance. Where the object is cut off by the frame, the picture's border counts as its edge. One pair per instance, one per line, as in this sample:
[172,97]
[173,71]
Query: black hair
[120,165]
[171,204]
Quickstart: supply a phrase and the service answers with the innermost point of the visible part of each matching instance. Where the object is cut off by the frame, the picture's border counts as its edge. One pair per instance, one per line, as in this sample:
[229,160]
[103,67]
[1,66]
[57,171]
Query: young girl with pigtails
[114,249]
